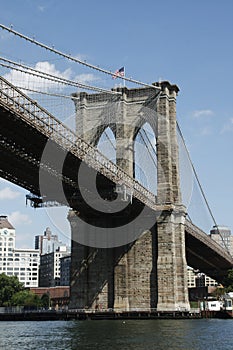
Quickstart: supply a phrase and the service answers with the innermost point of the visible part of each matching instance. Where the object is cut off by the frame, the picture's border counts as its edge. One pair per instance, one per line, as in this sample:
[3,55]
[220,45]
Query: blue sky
[188,43]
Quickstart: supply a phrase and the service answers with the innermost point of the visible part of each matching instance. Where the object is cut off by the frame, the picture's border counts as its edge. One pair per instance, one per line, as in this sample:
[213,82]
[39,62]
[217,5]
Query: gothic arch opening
[145,158]
[107,144]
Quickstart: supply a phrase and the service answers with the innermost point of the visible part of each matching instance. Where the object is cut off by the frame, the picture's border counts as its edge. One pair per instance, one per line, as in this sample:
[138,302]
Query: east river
[199,334]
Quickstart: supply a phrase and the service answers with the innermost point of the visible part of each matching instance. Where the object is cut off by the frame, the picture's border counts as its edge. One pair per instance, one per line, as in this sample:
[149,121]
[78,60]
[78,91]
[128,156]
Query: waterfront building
[65,264]
[191,273]
[199,279]
[58,296]
[49,275]
[23,263]
[203,280]
[26,266]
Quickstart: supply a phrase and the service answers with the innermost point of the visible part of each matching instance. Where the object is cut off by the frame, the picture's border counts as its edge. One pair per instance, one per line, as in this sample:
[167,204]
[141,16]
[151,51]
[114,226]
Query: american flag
[119,73]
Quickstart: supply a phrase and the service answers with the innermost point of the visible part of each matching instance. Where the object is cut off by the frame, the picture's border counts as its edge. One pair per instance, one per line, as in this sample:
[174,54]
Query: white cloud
[80,57]
[36,83]
[206,131]
[41,8]
[85,78]
[4,181]
[17,219]
[202,113]
[228,126]
[4,35]
[50,68]
[8,193]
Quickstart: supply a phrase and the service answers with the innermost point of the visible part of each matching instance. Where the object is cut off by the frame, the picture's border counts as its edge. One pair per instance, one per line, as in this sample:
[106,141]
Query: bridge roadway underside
[21,148]
[201,256]
[24,162]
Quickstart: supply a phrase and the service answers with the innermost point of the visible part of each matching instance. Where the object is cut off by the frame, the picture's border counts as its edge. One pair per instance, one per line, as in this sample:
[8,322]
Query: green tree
[45,301]
[228,281]
[9,285]
[26,298]
[219,291]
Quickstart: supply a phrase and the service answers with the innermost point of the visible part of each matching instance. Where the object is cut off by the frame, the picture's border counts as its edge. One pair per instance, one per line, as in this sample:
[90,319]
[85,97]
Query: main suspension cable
[51,77]
[201,189]
[70,97]
[74,59]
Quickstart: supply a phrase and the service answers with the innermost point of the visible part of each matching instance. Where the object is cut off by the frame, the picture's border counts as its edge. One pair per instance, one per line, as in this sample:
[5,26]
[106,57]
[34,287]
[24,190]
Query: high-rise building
[222,235]
[26,266]
[191,274]
[47,243]
[65,264]
[23,263]
[50,267]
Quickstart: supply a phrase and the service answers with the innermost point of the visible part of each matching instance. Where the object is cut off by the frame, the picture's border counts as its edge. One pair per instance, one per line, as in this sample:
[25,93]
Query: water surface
[204,334]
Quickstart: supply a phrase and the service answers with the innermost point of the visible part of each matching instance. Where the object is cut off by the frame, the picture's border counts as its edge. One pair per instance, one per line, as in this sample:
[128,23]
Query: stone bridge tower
[149,272]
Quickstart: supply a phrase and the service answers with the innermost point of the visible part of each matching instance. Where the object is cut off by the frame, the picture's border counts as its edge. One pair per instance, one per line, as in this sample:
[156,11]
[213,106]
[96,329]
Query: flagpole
[124,76]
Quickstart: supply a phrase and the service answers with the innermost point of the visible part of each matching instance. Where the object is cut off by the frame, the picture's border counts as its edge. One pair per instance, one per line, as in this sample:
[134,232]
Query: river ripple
[200,334]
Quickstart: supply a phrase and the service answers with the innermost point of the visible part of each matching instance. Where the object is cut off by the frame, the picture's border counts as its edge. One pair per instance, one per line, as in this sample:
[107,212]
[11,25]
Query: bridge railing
[27,109]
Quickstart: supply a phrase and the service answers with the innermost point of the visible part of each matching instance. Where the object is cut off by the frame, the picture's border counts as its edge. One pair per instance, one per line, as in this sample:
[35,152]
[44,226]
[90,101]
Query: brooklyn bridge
[130,245]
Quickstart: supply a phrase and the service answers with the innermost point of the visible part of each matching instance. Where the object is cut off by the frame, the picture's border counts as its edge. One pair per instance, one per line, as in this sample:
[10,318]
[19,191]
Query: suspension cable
[106,134]
[70,97]
[201,189]
[51,77]
[140,132]
[145,134]
[148,147]
[74,59]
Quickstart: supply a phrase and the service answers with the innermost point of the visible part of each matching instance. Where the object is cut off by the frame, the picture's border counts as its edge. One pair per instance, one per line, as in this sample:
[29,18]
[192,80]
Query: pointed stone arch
[107,143]
[145,158]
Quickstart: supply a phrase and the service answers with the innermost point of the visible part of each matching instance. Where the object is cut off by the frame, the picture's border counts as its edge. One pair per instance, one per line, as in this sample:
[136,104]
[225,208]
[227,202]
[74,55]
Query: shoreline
[81,316]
